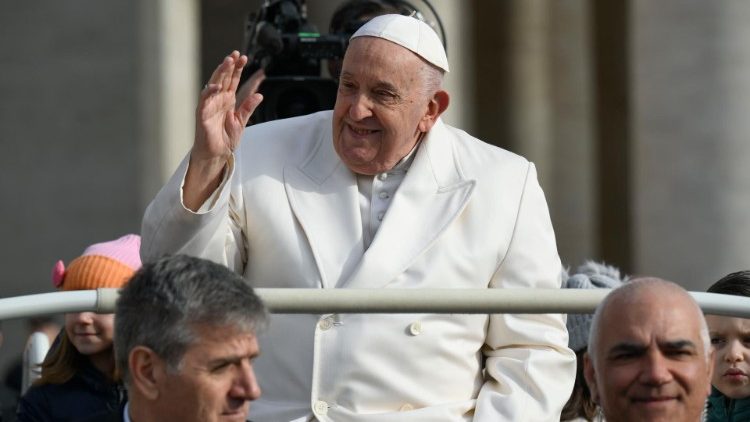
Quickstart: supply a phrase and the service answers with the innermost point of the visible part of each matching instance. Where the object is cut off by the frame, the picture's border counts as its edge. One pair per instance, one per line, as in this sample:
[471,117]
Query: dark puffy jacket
[722,409]
[85,395]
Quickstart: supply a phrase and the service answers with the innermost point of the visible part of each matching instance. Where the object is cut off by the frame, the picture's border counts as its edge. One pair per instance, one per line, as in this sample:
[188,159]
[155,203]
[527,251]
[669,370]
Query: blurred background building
[637,114]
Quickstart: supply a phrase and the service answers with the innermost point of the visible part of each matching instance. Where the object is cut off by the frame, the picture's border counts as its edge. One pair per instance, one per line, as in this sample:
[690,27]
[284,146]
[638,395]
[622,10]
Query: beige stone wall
[533,82]
[96,102]
[692,97]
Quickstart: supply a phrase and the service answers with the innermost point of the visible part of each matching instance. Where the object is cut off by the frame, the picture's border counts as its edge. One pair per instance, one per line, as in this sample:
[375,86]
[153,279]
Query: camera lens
[296,102]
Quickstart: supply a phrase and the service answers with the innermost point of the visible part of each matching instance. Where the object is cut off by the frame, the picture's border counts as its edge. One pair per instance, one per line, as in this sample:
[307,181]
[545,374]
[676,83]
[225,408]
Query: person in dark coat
[186,342]
[591,275]
[78,378]
[730,339]
[649,354]
[89,393]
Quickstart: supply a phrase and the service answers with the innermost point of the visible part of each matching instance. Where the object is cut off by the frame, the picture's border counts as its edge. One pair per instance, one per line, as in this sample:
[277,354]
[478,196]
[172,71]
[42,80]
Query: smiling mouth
[238,414]
[361,132]
[233,412]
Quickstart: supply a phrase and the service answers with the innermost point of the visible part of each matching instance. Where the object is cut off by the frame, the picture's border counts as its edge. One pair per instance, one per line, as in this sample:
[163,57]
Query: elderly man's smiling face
[383,105]
[651,362]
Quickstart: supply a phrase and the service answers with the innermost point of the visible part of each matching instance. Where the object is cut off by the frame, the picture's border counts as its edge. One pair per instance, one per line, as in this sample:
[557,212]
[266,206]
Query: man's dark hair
[737,284]
[167,299]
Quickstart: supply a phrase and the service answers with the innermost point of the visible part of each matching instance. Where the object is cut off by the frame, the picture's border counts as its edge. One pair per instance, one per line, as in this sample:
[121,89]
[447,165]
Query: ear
[590,375]
[146,372]
[436,106]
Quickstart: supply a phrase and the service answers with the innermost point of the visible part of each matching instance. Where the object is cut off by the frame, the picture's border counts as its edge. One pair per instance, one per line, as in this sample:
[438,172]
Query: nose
[734,352]
[246,385]
[655,369]
[82,317]
[360,108]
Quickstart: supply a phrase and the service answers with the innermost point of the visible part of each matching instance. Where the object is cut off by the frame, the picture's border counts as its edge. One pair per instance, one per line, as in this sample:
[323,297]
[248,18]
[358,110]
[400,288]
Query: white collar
[125,413]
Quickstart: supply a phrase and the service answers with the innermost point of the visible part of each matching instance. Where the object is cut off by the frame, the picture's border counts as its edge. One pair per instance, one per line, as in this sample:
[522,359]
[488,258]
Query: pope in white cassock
[378,193]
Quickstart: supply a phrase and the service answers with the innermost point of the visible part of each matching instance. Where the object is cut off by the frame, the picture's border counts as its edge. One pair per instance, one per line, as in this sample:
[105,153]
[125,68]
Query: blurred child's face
[89,332]
[730,337]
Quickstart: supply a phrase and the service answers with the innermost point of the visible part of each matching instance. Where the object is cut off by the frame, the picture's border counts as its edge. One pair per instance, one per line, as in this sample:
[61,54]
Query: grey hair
[432,77]
[628,291]
[167,299]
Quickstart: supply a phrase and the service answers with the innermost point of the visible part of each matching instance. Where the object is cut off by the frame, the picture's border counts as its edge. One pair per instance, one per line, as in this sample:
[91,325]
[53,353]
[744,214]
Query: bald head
[649,356]
[645,291]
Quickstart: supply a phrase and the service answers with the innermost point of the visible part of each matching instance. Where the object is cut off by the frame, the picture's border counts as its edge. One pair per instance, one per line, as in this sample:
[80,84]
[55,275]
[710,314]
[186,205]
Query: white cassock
[465,215]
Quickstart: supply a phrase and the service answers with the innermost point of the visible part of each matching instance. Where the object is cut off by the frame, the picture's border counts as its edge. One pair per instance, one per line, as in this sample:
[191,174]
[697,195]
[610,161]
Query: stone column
[533,95]
[571,176]
[692,91]
[71,171]
[168,86]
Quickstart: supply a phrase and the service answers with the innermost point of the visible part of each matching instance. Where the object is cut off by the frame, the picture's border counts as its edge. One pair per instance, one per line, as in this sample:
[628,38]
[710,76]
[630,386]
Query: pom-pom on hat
[106,264]
[408,32]
[590,275]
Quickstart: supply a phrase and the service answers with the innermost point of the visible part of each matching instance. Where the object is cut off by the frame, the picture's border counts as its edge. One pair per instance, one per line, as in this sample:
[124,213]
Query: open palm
[222,113]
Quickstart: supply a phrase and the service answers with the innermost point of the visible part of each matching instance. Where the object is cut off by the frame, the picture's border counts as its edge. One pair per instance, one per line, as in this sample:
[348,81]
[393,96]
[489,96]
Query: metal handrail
[321,301]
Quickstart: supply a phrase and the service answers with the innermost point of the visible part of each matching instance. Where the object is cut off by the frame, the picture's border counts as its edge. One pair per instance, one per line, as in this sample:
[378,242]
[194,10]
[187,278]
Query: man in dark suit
[185,343]
[649,354]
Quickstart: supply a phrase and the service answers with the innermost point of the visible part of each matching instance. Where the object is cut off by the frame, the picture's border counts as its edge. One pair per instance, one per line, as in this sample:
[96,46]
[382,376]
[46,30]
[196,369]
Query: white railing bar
[49,303]
[322,301]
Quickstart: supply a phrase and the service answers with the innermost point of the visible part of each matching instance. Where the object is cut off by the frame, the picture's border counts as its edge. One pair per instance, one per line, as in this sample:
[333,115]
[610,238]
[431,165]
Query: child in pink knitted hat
[78,374]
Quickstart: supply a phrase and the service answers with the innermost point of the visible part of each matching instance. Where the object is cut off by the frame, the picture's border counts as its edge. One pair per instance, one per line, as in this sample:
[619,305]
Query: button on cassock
[320,408]
[325,324]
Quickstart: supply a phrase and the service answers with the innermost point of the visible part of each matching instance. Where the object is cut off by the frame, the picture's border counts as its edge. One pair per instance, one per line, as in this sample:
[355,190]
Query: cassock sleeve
[213,232]
[529,370]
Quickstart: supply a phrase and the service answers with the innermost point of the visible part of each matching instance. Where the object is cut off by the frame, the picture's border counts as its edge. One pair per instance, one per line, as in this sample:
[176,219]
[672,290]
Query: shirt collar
[403,165]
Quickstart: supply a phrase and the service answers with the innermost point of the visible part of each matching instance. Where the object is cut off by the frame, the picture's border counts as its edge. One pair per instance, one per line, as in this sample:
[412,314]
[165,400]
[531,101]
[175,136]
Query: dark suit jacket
[109,416]
[115,416]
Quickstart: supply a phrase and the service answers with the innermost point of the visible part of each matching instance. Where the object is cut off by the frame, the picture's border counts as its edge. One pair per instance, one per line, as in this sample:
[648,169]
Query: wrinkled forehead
[375,61]
[651,318]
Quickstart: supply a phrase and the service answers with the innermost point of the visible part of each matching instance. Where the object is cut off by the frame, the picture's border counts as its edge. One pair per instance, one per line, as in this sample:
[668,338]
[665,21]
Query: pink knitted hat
[106,264]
